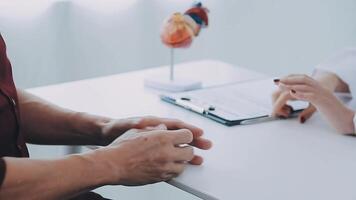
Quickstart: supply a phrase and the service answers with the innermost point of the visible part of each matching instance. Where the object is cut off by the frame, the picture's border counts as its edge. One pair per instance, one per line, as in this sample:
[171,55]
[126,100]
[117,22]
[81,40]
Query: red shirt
[12,142]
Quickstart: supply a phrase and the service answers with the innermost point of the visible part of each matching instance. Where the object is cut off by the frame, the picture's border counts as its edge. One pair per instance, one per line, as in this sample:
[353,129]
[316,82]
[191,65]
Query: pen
[188,105]
[257,120]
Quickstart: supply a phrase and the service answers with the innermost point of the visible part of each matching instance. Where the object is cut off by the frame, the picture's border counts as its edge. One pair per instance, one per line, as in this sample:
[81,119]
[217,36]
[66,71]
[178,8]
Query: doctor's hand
[321,98]
[141,156]
[305,88]
[280,97]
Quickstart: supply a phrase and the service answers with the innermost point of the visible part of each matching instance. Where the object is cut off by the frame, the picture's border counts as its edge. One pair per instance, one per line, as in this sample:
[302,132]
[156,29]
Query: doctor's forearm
[337,114]
[332,81]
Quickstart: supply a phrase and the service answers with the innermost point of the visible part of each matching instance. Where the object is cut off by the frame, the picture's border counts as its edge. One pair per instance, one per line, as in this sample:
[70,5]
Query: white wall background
[51,41]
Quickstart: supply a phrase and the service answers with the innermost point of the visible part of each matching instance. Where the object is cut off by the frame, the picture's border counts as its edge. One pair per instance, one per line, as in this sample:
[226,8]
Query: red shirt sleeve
[89,196]
[2,170]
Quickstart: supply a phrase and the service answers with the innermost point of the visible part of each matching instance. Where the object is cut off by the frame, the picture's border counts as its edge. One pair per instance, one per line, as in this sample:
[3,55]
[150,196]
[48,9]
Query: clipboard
[209,102]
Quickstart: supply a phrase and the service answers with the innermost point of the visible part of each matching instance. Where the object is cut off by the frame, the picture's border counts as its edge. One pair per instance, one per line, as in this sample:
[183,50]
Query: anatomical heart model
[179,31]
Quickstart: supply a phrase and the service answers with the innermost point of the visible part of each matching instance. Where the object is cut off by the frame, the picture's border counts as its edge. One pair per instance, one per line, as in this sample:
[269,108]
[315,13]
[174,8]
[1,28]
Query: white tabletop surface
[274,160]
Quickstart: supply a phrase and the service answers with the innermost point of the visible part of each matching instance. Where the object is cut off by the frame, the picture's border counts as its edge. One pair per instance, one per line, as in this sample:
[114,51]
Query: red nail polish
[302,120]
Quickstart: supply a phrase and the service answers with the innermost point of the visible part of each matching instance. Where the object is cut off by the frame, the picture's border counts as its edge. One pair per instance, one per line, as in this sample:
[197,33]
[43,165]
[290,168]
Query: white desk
[274,160]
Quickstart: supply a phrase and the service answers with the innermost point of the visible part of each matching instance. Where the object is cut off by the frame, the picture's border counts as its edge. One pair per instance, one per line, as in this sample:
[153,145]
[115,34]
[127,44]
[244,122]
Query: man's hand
[115,128]
[147,156]
[45,123]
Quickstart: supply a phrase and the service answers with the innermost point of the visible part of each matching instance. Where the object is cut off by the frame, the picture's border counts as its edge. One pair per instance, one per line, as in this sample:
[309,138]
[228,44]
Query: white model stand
[171,83]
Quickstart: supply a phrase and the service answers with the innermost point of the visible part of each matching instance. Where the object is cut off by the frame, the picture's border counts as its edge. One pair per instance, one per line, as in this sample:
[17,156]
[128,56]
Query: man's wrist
[114,128]
[101,169]
[89,127]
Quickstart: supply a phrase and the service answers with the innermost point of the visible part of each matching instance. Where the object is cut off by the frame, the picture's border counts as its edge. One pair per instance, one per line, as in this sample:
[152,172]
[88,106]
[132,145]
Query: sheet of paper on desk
[239,100]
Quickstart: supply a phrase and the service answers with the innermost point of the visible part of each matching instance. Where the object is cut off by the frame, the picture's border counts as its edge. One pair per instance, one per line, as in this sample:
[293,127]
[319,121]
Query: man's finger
[184,154]
[307,113]
[173,170]
[201,143]
[182,136]
[173,124]
[152,128]
[197,160]
[178,168]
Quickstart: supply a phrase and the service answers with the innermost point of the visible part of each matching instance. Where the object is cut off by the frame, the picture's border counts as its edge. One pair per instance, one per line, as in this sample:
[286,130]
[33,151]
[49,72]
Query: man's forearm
[45,123]
[56,179]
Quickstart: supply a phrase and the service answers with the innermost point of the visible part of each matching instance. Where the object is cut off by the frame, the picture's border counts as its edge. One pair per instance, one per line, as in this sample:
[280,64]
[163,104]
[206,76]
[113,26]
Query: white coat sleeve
[344,65]
[355,124]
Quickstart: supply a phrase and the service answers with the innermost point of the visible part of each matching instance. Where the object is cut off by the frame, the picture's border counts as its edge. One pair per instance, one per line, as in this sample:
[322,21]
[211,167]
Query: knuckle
[163,139]
[166,153]
[140,123]
[166,168]
[164,176]
[187,133]
[180,169]
[163,159]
